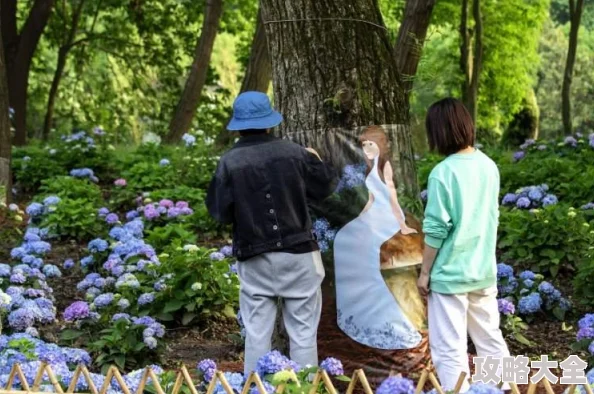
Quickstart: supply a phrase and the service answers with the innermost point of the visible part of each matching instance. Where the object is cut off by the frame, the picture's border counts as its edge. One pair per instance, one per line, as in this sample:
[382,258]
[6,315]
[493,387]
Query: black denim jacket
[262,186]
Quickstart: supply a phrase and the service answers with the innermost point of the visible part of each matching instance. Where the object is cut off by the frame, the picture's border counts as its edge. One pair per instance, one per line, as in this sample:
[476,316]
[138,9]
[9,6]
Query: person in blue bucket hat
[262,187]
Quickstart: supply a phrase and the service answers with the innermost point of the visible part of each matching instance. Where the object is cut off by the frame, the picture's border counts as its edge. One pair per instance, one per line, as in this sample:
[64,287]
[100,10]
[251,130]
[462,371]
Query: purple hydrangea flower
[68,264]
[207,369]
[120,182]
[506,307]
[585,333]
[76,311]
[586,321]
[112,218]
[519,156]
[509,199]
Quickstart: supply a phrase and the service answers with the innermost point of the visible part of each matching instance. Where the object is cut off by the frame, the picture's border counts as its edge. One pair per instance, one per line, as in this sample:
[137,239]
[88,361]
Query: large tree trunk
[334,70]
[5,134]
[258,73]
[188,103]
[471,56]
[19,50]
[411,38]
[576,9]
[61,65]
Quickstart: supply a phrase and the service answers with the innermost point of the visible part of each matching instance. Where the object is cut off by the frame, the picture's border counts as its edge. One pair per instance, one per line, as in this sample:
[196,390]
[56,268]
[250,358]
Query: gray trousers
[297,279]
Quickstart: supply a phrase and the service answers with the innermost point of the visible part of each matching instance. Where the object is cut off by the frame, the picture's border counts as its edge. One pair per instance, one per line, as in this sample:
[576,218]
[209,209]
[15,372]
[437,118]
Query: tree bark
[411,38]
[188,103]
[61,65]
[258,73]
[471,56]
[5,134]
[576,9]
[334,69]
[19,54]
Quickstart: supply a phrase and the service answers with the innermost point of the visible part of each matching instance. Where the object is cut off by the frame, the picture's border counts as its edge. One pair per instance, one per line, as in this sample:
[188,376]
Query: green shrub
[545,240]
[147,176]
[198,287]
[74,219]
[67,187]
[30,171]
[161,237]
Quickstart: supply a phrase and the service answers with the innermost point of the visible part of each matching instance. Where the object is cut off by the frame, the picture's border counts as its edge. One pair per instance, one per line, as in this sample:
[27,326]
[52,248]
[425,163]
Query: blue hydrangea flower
[504,271]
[482,388]
[217,256]
[546,288]
[86,261]
[103,300]
[530,304]
[151,343]
[35,209]
[5,270]
[332,366]
[571,141]
[271,363]
[68,264]
[586,321]
[549,199]
[164,162]
[189,139]
[527,275]
[120,316]
[528,283]
[591,348]
[51,271]
[509,199]
[51,200]
[523,202]
[98,245]
[235,380]
[146,298]
[396,385]
[535,194]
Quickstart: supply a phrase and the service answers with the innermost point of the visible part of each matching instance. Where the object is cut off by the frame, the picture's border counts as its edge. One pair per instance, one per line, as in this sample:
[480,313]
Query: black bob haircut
[449,127]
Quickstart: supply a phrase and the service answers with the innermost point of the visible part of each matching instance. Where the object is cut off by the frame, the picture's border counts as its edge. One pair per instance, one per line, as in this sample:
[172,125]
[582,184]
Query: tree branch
[411,38]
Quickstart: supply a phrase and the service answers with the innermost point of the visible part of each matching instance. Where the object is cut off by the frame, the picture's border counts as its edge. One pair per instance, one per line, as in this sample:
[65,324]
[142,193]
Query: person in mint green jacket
[459,271]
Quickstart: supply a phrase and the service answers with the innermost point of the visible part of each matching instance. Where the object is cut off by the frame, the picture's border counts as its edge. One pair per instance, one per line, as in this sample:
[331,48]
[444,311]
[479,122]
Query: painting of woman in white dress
[375,259]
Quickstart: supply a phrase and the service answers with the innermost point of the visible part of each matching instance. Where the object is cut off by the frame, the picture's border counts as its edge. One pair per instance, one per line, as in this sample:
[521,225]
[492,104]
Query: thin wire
[328,19]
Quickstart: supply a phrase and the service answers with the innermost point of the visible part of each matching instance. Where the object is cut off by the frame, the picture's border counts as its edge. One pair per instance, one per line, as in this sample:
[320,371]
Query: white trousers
[451,317]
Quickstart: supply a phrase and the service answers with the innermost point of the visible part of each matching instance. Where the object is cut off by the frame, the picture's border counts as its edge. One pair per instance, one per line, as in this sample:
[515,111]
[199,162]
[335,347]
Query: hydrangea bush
[529,294]
[530,197]
[537,239]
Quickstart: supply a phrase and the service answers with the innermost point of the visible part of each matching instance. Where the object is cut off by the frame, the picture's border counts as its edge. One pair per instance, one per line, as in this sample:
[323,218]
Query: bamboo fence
[183,379]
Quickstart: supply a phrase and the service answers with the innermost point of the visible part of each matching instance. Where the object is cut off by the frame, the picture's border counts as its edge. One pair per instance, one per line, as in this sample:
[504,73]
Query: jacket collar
[255,139]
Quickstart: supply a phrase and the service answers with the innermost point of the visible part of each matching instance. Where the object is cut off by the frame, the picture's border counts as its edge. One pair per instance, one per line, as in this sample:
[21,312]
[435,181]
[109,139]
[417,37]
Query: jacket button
[268,196]
[272,211]
[275,227]
[278,244]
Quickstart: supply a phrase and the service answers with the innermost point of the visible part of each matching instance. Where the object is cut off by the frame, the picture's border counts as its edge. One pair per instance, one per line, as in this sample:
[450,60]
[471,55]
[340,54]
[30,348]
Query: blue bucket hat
[252,110]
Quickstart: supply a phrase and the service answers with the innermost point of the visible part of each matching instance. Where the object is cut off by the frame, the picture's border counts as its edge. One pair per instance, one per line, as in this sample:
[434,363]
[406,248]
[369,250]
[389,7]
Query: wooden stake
[422,381]
[254,379]
[359,375]
[435,383]
[460,382]
[322,376]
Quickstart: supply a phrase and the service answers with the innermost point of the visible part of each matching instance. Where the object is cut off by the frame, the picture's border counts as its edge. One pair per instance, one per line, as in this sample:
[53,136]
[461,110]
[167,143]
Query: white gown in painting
[367,310]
